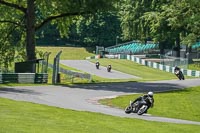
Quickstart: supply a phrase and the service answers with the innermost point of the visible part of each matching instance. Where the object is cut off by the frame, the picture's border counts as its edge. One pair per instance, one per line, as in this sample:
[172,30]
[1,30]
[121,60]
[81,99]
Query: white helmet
[150,93]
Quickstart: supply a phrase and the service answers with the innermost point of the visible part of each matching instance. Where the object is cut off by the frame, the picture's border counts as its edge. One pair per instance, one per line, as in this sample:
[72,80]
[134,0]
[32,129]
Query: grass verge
[27,117]
[181,104]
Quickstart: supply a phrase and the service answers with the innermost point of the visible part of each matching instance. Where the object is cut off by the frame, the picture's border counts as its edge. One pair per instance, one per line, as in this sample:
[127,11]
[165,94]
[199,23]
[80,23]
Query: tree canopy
[20,19]
[161,21]
[96,22]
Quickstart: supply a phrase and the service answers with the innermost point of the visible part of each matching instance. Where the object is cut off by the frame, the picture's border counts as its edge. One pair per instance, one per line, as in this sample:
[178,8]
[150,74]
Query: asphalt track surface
[85,97]
[90,67]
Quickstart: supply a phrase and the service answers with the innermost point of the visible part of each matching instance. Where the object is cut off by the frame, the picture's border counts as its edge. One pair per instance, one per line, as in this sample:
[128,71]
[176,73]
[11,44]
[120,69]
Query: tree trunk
[30,27]
[178,46]
[161,46]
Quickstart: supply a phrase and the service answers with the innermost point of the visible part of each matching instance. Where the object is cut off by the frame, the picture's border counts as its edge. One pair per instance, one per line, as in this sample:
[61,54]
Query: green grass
[68,53]
[183,104]
[130,67]
[24,117]
[27,117]
[193,67]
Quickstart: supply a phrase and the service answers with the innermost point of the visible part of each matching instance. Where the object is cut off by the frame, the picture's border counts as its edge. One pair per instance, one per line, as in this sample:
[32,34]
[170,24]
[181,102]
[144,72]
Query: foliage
[20,19]
[101,29]
[166,22]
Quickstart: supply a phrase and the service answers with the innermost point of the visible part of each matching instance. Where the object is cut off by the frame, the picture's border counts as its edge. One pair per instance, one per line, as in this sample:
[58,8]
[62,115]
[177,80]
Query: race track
[85,97]
[90,67]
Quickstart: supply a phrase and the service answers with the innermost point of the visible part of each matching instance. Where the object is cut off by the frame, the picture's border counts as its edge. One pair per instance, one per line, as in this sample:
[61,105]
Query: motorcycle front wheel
[128,110]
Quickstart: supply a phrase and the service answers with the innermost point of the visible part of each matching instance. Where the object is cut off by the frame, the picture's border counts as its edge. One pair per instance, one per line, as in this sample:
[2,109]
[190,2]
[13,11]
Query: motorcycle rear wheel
[142,110]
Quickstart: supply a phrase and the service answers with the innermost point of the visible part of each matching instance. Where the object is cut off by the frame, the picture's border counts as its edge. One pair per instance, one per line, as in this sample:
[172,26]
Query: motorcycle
[139,107]
[179,74]
[109,68]
[97,65]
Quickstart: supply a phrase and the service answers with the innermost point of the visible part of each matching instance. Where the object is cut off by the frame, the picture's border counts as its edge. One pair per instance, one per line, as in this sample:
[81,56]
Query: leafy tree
[184,17]
[24,17]
[101,29]
[168,22]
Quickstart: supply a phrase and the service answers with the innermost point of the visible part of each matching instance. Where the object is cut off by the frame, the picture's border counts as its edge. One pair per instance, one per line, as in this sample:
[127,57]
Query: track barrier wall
[23,77]
[166,68]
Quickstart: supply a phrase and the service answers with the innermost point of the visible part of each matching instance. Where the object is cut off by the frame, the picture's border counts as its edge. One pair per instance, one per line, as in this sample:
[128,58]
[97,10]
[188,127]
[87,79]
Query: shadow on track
[135,87]
[15,90]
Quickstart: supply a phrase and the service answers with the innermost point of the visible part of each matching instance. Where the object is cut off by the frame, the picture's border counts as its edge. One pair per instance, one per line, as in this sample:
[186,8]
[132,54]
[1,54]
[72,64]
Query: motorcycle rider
[109,67]
[97,64]
[148,98]
[178,73]
[176,69]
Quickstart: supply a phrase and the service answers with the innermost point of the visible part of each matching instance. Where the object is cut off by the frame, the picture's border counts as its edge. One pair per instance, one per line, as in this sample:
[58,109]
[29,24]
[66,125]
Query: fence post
[56,68]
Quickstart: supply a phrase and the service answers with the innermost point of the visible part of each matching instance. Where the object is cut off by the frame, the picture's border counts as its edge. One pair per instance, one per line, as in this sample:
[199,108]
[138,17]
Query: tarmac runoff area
[90,68]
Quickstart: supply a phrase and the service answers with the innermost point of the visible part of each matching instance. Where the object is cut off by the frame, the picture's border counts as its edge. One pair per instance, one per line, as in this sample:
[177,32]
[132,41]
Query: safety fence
[23,77]
[162,67]
[72,74]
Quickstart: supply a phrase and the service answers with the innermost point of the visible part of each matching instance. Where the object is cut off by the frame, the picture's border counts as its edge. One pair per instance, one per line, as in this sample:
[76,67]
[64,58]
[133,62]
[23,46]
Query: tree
[27,16]
[184,18]
[163,21]
[101,29]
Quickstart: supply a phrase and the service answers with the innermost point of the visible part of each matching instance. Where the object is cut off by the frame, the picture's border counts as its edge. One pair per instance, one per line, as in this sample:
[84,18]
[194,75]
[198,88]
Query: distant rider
[109,67]
[97,64]
[176,69]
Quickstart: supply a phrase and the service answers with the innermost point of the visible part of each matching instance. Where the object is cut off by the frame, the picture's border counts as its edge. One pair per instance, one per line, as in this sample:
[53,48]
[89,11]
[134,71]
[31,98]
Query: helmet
[150,93]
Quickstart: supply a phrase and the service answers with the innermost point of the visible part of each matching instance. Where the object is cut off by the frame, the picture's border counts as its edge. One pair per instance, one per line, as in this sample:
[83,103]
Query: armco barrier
[73,74]
[23,78]
[1,79]
[162,67]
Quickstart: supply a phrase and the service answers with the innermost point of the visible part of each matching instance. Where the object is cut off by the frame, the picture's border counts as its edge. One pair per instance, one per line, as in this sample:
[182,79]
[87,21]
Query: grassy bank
[181,104]
[68,53]
[26,117]
[130,67]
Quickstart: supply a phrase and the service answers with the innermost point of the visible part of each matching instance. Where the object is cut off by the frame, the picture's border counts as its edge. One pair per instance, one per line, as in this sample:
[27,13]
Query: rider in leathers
[176,69]
[149,103]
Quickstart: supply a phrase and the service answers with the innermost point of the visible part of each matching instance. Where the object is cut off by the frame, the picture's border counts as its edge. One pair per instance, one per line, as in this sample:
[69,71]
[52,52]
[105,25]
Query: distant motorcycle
[139,107]
[109,68]
[97,65]
[179,74]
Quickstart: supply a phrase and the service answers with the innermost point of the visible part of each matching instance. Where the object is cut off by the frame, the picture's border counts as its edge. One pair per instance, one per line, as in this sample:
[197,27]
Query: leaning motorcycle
[97,65]
[109,68]
[139,107]
[179,74]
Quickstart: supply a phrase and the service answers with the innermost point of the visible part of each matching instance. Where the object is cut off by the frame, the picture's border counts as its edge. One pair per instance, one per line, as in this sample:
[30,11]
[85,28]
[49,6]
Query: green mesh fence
[174,61]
